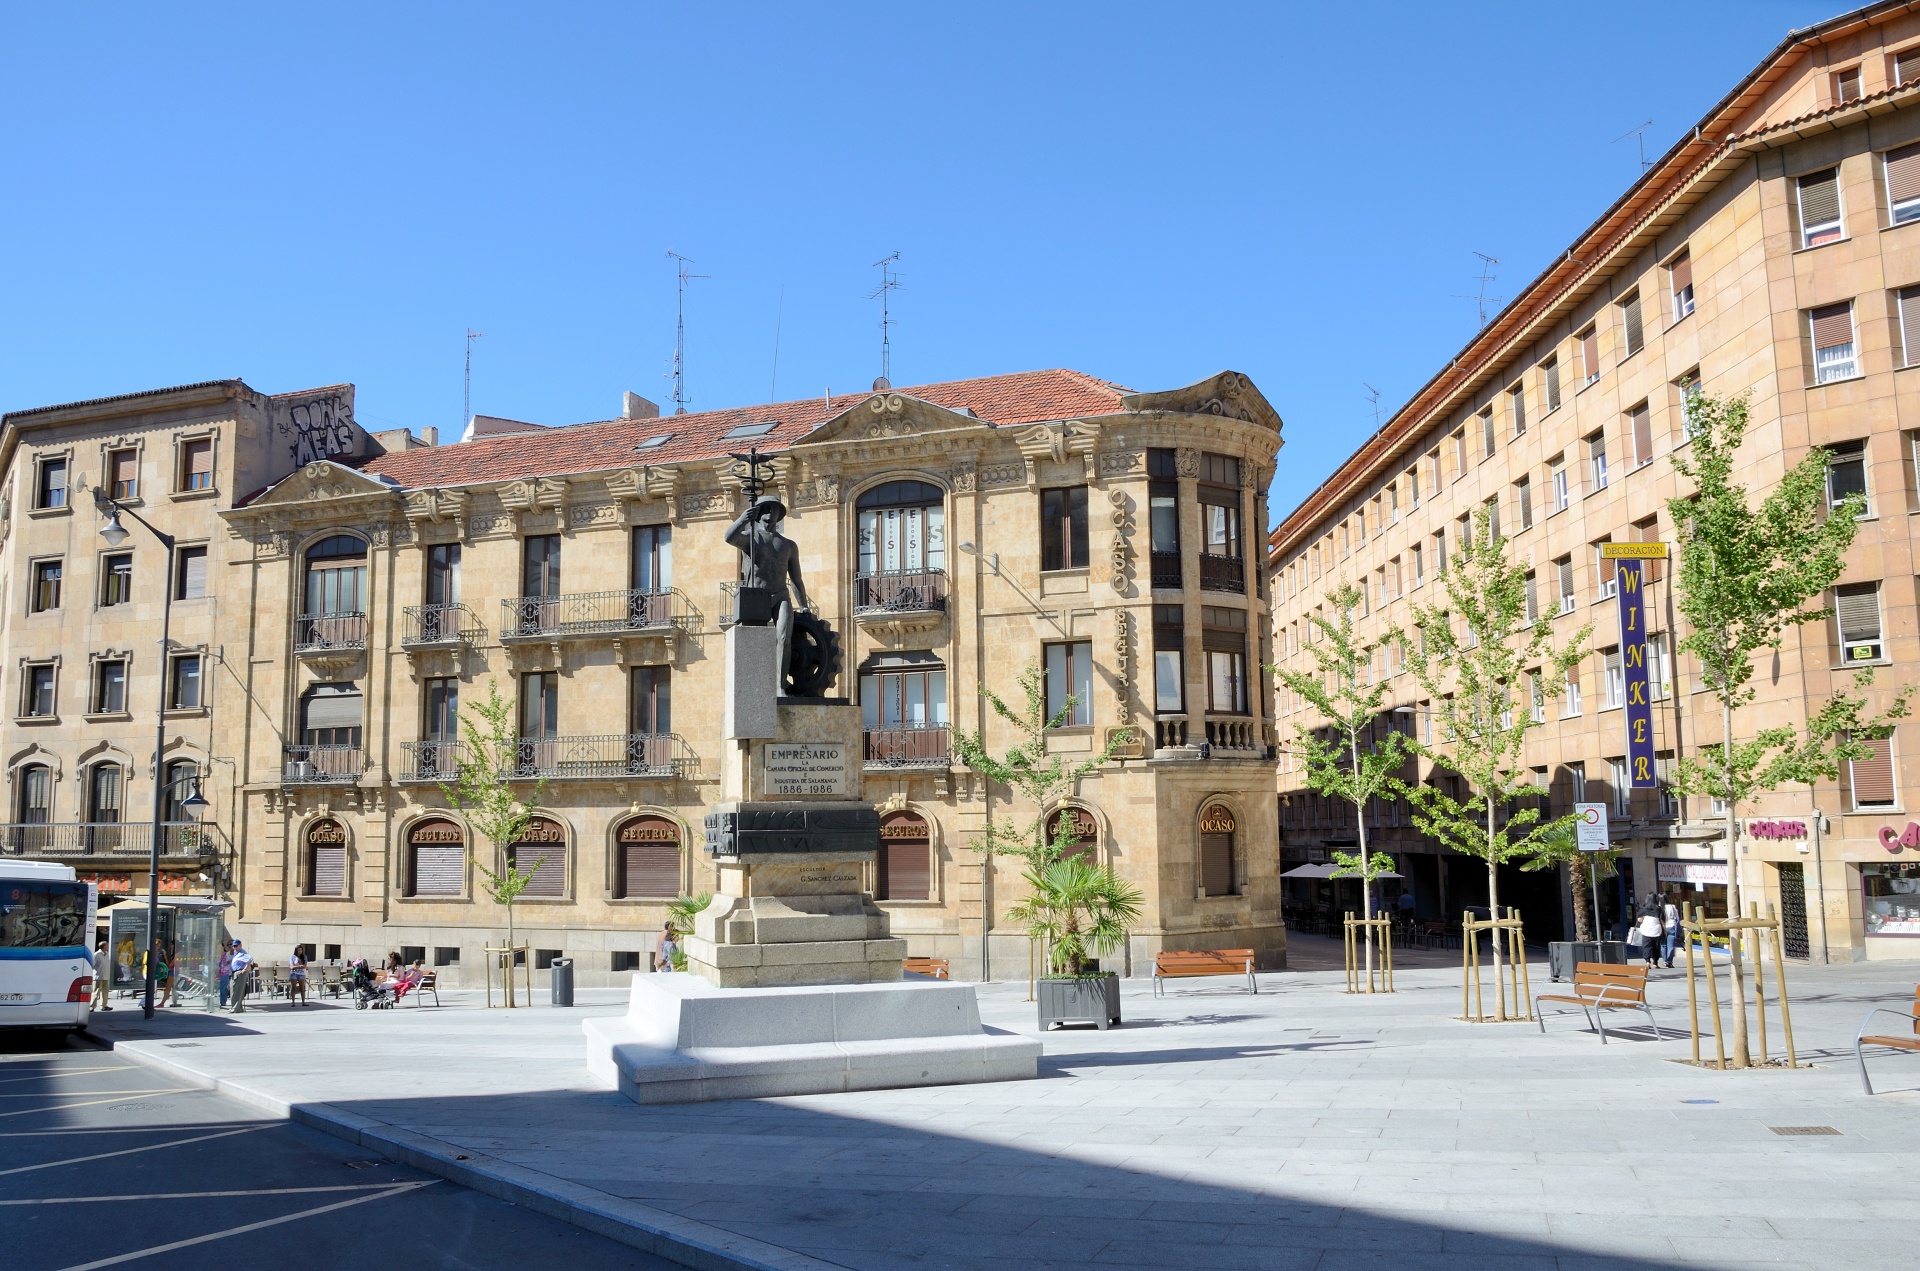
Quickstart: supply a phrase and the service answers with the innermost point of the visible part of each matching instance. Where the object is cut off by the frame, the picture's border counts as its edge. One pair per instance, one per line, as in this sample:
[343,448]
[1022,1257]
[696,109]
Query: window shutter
[1642,420]
[334,706]
[908,871]
[1216,864]
[1910,325]
[1832,325]
[329,869]
[1636,331]
[1906,66]
[1590,354]
[1819,198]
[199,464]
[649,869]
[1683,272]
[193,578]
[1859,610]
[125,467]
[1873,776]
[550,879]
[1903,173]
[437,868]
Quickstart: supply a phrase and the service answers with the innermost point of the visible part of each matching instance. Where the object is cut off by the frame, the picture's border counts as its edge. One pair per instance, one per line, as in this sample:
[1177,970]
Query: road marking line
[42,1094]
[252,1226]
[158,1128]
[129,1151]
[70,1073]
[62,1107]
[258,1191]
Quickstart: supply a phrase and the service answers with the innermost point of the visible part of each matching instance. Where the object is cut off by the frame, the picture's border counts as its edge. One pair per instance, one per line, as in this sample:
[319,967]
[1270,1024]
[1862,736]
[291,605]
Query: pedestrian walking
[669,947]
[1651,931]
[1670,916]
[225,968]
[163,975]
[102,977]
[242,977]
[297,975]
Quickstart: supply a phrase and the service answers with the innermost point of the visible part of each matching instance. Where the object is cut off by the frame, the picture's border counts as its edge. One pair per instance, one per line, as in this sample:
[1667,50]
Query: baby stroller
[367,993]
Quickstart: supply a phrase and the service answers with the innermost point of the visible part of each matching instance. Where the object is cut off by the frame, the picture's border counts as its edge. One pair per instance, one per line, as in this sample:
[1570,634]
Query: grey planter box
[1093,1001]
[1564,955]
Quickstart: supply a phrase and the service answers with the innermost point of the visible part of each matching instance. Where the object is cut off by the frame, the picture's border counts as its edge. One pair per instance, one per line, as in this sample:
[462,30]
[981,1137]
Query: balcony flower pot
[1079,999]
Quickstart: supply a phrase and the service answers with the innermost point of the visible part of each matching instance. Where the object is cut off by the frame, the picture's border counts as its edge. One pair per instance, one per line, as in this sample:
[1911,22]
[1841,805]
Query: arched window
[436,858]
[336,594]
[1086,834]
[326,858]
[35,794]
[105,791]
[906,857]
[649,859]
[1217,830]
[542,848]
[903,529]
[182,779]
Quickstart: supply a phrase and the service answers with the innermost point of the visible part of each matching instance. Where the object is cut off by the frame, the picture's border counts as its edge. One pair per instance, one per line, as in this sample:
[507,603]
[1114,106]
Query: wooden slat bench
[1178,966]
[429,983]
[1897,1041]
[1603,986]
[935,967]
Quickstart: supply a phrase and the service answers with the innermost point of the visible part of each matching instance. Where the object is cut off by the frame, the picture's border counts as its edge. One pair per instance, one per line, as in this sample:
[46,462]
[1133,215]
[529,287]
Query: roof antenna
[889,282]
[680,334]
[1481,298]
[773,389]
[1373,395]
[466,398]
[1640,135]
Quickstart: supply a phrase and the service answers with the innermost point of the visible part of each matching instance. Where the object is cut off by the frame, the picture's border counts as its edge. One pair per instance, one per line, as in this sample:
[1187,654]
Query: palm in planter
[1078,911]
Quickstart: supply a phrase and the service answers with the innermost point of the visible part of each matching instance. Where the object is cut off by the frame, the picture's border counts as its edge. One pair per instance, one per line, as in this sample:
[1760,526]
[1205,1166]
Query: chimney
[634,406]
[430,435]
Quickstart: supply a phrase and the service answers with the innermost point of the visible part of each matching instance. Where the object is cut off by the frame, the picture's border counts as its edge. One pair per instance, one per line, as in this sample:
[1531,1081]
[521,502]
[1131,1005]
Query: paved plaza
[1299,1128]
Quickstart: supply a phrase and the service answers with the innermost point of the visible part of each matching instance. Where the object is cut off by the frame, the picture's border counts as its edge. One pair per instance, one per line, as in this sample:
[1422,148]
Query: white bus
[46,963]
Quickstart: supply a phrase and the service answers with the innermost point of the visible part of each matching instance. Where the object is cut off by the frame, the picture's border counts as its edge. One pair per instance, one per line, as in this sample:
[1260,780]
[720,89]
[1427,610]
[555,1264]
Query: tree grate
[1803,1129]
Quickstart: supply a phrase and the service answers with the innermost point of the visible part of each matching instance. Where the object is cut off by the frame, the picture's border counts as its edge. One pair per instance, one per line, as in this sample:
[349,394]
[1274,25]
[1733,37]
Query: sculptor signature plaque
[793,768]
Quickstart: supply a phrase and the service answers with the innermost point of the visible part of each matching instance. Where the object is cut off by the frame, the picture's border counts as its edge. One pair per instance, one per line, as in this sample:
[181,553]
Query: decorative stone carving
[1117,462]
[706,503]
[1186,461]
[963,478]
[888,412]
[438,506]
[1123,663]
[1004,474]
[534,494]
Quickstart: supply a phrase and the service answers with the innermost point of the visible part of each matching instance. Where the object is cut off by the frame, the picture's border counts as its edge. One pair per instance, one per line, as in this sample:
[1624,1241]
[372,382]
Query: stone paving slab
[1298,1128]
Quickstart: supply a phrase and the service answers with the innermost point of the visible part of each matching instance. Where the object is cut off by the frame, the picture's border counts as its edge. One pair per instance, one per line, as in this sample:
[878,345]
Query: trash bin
[561,981]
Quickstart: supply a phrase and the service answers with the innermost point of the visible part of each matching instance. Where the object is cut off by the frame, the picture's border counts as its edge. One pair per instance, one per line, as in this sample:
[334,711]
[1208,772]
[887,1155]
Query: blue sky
[301,195]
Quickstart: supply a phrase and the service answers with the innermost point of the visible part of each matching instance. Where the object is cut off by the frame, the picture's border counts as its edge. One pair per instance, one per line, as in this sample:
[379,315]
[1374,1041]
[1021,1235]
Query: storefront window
[1891,898]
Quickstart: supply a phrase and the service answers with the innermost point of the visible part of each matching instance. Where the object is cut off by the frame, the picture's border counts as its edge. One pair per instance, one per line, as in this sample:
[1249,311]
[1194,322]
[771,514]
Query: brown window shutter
[1903,173]
[124,466]
[1906,66]
[1873,776]
[1590,354]
[649,870]
[550,879]
[1859,611]
[1216,864]
[1832,325]
[908,873]
[199,459]
[1819,198]
[1636,330]
[329,870]
[1642,420]
[1910,325]
[1683,271]
[438,868]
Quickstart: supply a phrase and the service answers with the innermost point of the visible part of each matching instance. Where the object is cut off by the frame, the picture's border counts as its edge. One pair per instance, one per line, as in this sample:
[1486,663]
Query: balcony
[322,765]
[901,604]
[924,746]
[613,756]
[589,614]
[1236,736]
[106,838]
[1169,730]
[1223,573]
[433,760]
[329,634]
[1167,575]
[440,627]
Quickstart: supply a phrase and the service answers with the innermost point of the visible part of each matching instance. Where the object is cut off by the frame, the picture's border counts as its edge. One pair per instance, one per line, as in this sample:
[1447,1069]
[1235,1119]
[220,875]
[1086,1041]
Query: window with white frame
[1597,460]
[1659,668]
[1847,475]
[1523,502]
[1640,433]
[1562,494]
[1680,282]
[1570,701]
[1622,787]
[1614,675]
[1487,436]
[1070,675]
[1533,597]
[1563,569]
[1536,698]
[1831,330]
[1856,609]
[1903,184]
[1589,355]
[1687,388]
[1517,404]
[1632,328]
[1819,199]
[1606,574]
[1550,383]
[1419,565]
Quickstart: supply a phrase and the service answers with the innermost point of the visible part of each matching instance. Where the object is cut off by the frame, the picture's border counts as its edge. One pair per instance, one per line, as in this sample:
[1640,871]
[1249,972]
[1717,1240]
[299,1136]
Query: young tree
[480,791]
[1475,677]
[1747,575]
[1077,910]
[1559,845]
[1343,760]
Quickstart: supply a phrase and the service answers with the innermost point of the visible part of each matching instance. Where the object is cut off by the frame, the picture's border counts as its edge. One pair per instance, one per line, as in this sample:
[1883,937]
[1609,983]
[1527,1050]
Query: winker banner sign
[1633,665]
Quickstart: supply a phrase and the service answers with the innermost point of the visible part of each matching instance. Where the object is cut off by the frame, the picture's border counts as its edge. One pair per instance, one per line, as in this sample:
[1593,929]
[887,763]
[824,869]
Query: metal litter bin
[561,981]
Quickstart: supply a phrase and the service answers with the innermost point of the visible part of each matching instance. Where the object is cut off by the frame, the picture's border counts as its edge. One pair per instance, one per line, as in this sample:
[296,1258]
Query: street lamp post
[115,534]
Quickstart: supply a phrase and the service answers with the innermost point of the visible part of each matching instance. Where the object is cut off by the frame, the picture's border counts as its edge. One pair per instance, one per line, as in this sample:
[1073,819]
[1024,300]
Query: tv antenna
[680,332]
[1373,395]
[889,282]
[1480,297]
[466,397]
[1639,135]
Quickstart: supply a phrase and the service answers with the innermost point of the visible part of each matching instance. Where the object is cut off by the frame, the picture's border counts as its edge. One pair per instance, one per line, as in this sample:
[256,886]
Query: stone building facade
[952,534]
[1775,251]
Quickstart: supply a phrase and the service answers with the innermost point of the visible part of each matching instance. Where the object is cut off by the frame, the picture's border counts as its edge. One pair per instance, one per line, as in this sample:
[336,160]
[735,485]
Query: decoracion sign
[1776,829]
[794,768]
[1691,872]
[1893,840]
[904,827]
[1633,551]
[326,832]
[1216,820]
[1633,665]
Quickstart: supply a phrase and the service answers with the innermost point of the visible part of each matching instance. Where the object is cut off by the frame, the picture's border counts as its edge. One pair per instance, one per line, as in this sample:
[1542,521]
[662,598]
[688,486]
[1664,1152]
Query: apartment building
[361,599]
[1774,251]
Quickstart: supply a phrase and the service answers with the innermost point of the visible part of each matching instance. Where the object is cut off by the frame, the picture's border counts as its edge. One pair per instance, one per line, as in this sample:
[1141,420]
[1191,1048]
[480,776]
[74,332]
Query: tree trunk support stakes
[1764,931]
[1510,927]
[1379,978]
[504,956]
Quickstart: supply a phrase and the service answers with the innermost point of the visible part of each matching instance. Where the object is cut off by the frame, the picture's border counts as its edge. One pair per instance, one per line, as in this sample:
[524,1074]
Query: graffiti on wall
[320,428]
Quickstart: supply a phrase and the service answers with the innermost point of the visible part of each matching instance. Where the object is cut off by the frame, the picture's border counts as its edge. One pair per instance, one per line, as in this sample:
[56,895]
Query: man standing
[772,559]
[102,976]
[242,977]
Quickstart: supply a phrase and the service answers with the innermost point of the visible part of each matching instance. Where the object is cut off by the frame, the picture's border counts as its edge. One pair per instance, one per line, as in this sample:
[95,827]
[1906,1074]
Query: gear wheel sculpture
[813,663]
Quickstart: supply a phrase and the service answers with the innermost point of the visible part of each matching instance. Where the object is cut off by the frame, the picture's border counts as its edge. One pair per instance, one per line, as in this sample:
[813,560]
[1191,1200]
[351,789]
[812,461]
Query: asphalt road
[106,1163]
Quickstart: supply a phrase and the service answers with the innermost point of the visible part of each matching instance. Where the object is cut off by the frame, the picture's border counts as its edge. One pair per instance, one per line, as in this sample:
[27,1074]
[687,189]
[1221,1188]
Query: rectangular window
[1419,565]
[38,689]
[653,555]
[1871,777]
[1563,569]
[443,574]
[1220,526]
[1659,668]
[46,585]
[1393,505]
[1220,470]
[650,700]
[540,566]
[1819,197]
[1533,597]
[1615,676]
[1433,470]
[540,704]
[51,489]
[1550,383]
[116,580]
[1486,433]
[1223,637]
[1831,327]
[1570,701]
[123,474]
[1846,86]
[1597,461]
[1169,681]
[1463,532]
[1632,329]
[1493,518]
[183,683]
[1063,528]
[1413,485]
[1589,355]
[1909,304]
[1536,698]
[1604,571]
[1523,501]
[1856,607]
[1440,552]
[1070,676]
[1906,66]
[1688,388]
[109,687]
[1459,440]
[1648,531]
[1517,404]
[190,574]
[1847,474]
[1640,432]
[441,701]
[1163,517]
[1680,280]
[196,464]
[1622,787]
[1562,495]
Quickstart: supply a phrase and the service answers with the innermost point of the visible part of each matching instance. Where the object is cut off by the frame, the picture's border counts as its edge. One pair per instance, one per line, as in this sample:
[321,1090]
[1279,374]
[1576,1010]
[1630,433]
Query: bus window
[42,915]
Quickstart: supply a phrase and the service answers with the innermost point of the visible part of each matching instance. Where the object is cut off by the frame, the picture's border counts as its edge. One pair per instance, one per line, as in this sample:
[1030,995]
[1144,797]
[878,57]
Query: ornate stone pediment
[644,483]
[1229,395]
[1059,444]
[435,507]
[535,494]
[320,481]
[890,414]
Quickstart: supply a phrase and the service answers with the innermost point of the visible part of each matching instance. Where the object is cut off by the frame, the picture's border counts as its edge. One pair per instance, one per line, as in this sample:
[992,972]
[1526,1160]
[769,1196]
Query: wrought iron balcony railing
[923,746]
[440,624]
[589,613]
[922,592]
[322,765]
[105,838]
[1167,575]
[1223,573]
[610,756]
[435,759]
[325,632]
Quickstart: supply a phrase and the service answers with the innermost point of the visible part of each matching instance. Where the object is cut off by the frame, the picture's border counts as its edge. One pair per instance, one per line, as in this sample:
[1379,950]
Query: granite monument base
[682,1040]
[793,918]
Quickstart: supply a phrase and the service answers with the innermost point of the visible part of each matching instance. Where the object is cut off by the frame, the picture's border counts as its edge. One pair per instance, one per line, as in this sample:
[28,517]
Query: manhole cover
[1803,1129]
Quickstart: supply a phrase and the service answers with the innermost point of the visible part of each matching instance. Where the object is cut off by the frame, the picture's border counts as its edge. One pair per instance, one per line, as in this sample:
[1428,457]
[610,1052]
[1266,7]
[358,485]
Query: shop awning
[1326,871]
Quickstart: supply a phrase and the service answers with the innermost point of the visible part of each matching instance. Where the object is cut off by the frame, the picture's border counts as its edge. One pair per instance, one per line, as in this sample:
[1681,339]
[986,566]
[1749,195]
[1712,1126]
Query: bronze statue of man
[772,559]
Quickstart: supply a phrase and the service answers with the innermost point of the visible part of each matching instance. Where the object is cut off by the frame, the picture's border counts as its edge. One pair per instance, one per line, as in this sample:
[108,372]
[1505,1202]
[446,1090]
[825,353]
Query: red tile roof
[1022,398]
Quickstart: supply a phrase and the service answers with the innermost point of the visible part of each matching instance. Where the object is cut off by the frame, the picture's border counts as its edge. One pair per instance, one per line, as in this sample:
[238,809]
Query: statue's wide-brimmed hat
[768,501]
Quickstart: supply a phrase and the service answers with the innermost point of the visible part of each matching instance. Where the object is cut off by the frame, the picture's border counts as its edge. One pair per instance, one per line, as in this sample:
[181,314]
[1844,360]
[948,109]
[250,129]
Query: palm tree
[1079,910]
